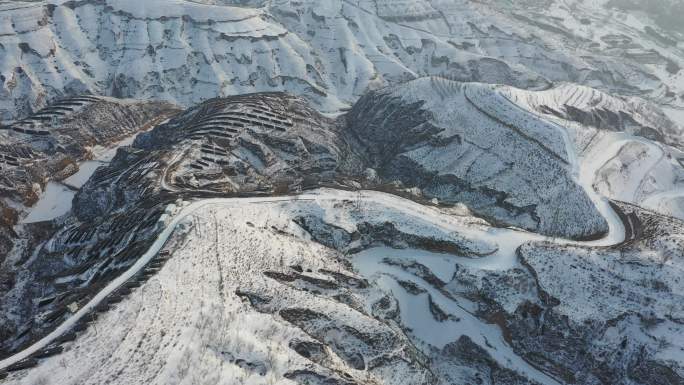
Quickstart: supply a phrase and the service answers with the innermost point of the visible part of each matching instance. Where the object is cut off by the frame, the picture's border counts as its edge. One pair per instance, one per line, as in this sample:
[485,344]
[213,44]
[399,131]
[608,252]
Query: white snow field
[55,201]
[179,324]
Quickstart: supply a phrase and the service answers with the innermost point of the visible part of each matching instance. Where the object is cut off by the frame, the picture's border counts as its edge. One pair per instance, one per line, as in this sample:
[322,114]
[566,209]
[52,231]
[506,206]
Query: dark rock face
[8,218]
[368,234]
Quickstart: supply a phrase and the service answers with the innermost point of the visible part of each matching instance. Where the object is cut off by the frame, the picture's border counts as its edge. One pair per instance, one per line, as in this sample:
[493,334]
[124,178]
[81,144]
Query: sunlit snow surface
[85,171]
[55,201]
[622,166]
[170,315]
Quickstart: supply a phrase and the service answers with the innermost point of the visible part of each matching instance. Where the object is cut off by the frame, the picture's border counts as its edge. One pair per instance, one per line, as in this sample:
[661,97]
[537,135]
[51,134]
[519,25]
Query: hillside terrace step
[66,337]
[79,327]
[57,314]
[32,119]
[46,301]
[31,132]
[212,152]
[214,127]
[22,365]
[123,291]
[49,352]
[204,134]
[115,298]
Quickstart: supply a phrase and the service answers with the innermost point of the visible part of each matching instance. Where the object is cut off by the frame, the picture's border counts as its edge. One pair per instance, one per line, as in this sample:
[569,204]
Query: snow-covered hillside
[628,150]
[328,51]
[249,295]
[362,287]
[341,192]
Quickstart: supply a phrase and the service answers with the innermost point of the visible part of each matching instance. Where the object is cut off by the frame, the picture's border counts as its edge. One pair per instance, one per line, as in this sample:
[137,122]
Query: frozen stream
[85,171]
[419,319]
[56,200]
